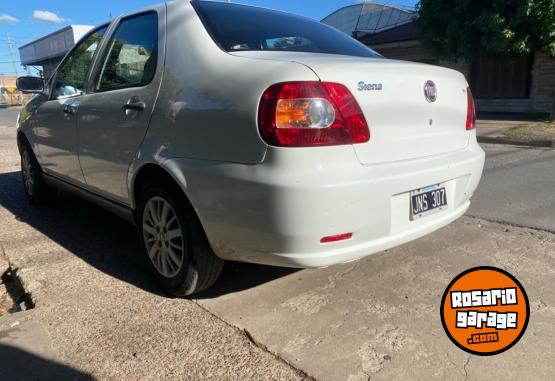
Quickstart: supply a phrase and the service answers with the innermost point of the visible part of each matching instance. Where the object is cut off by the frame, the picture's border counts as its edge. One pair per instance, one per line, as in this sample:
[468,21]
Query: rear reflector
[335,238]
[310,114]
[470,111]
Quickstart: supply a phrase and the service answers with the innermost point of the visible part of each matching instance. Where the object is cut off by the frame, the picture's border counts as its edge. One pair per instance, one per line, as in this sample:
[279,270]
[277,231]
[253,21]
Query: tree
[466,29]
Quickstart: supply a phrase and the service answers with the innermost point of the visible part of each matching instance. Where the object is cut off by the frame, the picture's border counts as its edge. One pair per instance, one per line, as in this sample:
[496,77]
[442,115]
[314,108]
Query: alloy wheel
[163,236]
[28,173]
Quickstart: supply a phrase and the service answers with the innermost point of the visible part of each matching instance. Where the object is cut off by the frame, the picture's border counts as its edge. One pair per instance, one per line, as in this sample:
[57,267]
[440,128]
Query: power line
[10,50]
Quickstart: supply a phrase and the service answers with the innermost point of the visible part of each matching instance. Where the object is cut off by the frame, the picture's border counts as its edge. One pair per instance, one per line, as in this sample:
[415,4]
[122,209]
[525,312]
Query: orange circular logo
[485,311]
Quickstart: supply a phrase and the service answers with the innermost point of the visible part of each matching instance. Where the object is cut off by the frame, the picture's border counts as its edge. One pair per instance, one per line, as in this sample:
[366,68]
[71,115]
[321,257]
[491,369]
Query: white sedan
[230,132]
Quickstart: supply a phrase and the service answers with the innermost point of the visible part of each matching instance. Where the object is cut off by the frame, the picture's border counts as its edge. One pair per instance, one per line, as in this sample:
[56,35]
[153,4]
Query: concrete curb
[505,141]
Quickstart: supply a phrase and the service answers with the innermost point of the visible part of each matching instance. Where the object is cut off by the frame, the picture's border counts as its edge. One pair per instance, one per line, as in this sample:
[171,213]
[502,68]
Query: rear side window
[237,27]
[131,54]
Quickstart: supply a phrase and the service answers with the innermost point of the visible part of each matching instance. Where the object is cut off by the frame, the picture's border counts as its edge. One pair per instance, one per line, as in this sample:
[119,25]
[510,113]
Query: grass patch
[531,132]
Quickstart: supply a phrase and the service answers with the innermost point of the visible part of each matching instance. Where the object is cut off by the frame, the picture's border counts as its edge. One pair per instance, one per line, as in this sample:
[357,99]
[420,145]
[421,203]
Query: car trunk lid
[403,123]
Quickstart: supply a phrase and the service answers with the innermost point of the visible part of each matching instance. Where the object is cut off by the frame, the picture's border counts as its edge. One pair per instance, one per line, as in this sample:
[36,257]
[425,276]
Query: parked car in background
[230,132]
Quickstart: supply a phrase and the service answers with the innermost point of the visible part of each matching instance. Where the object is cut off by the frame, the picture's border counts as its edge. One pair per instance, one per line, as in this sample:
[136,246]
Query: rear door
[114,115]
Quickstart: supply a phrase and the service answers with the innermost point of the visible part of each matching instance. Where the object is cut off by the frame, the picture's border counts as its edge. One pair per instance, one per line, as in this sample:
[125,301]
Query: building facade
[49,50]
[500,84]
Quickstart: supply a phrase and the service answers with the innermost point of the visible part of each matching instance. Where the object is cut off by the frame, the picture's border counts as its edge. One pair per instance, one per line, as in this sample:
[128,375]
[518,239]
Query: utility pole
[2,88]
[10,50]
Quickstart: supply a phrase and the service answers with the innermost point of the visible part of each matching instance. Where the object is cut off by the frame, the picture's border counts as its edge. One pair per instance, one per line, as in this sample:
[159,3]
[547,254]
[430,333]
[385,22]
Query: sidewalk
[495,128]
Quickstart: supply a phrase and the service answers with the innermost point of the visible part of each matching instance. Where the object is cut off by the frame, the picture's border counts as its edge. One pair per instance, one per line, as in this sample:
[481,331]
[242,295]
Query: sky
[32,19]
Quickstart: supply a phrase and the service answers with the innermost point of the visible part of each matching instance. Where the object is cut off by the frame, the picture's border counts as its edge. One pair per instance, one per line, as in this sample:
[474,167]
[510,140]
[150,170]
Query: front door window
[72,76]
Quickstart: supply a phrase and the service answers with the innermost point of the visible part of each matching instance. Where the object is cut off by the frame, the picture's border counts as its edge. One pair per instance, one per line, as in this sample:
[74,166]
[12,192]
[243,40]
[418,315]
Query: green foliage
[469,28]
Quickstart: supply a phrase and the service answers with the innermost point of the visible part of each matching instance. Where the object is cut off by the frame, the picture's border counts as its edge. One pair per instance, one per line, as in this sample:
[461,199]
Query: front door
[114,115]
[56,131]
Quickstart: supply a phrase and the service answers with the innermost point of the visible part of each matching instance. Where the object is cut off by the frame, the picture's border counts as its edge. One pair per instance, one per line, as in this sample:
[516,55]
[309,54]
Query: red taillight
[470,111]
[336,238]
[309,114]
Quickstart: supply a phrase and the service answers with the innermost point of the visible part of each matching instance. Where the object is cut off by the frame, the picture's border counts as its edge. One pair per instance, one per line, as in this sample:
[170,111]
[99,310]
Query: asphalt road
[100,314]
[8,115]
[518,187]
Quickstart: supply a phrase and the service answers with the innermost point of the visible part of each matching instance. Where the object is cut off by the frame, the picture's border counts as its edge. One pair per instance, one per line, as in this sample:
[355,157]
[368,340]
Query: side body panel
[208,103]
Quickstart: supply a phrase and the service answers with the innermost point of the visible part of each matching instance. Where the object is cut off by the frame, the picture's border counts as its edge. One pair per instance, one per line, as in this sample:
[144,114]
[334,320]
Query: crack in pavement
[464,367]
[257,343]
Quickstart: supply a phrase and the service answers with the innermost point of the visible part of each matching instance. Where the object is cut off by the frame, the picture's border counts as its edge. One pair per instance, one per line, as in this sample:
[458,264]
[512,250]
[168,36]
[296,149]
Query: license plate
[426,201]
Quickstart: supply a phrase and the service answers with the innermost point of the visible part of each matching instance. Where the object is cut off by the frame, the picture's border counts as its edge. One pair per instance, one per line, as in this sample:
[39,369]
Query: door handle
[70,109]
[137,106]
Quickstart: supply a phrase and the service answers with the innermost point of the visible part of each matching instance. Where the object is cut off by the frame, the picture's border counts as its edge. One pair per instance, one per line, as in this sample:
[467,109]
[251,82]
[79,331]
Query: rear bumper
[277,212]
[351,252]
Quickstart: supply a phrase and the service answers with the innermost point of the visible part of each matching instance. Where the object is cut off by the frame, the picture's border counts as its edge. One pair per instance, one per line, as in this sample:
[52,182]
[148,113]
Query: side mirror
[30,84]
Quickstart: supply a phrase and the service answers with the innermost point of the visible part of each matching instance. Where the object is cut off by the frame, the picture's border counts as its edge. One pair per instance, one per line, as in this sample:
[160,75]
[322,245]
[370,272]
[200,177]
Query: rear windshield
[237,27]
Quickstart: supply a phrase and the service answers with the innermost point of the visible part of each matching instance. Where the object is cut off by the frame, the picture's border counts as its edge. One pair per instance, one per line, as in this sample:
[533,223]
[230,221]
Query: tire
[36,189]
[162,245]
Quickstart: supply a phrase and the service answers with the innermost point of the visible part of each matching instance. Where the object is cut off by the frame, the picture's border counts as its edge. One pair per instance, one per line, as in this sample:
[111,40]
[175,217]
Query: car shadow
[237,276]
[17,364]
[109,243]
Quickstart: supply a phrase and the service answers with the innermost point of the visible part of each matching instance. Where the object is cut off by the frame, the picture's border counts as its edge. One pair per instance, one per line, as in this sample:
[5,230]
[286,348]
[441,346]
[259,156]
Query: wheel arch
[22,140]
[150,171]
[205,267]
[146,172]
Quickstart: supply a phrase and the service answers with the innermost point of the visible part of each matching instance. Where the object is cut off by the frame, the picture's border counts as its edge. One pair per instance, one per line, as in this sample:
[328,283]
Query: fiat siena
[230,132]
